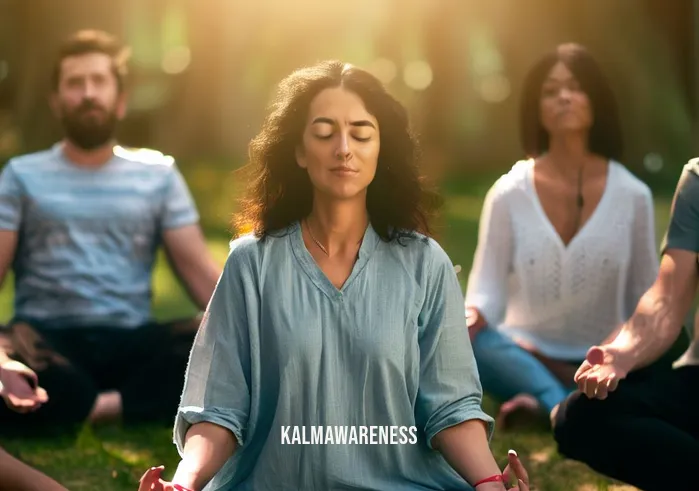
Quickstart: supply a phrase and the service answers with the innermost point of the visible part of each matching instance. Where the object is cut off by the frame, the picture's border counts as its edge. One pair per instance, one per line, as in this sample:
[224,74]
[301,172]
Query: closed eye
[358,138]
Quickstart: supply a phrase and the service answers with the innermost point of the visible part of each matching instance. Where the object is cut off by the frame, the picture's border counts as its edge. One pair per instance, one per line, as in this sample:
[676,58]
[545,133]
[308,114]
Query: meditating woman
[566,244]
[338,310]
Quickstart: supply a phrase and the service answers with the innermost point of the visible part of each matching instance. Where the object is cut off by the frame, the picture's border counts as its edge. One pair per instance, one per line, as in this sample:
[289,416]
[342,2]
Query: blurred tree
[437,134]
[204,70]
[192,125]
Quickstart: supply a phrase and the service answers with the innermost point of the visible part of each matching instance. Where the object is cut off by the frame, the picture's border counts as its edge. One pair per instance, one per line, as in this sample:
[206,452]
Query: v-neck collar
[599,209]
[311,268]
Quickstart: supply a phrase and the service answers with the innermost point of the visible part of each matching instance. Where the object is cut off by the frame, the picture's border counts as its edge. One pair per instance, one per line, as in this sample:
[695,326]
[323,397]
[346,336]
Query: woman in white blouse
[566,244]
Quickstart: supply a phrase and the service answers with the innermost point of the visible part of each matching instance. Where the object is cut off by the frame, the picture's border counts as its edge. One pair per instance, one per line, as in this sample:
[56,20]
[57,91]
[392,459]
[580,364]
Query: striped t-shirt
[88,236]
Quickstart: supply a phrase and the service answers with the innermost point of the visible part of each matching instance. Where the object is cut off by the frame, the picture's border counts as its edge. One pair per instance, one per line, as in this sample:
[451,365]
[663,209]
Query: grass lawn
[112,459]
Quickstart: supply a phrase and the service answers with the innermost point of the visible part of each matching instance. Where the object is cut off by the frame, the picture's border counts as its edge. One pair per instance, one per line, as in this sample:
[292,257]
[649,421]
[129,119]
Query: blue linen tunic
[281,349]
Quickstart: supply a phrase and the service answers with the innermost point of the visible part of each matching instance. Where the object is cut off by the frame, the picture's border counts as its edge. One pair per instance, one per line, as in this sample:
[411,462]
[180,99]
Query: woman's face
[340,145]
[565,108]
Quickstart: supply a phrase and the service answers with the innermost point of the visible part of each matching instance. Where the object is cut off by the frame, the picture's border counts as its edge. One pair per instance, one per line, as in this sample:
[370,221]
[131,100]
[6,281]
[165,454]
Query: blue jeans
[507,370]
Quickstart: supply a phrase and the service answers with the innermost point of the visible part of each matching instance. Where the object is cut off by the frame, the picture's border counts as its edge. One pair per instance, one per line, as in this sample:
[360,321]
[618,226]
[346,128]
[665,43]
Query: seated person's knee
[572,424]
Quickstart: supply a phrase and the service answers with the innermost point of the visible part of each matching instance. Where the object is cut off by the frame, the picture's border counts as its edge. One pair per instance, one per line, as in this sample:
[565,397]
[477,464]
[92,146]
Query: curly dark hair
[281,192]
[605,136]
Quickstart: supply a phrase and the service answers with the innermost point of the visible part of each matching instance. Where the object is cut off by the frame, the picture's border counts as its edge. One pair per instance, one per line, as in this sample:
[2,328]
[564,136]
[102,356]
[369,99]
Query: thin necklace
[310,232]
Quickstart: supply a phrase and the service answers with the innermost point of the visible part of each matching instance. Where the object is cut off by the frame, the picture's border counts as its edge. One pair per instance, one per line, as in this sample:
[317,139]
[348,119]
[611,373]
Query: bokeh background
[203,70]
[202,74]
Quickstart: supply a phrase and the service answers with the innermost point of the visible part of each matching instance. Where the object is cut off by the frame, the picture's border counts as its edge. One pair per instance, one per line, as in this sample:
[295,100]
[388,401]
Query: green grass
[112,459]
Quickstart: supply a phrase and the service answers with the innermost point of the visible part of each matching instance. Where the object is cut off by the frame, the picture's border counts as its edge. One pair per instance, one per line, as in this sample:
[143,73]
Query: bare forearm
[207,447]
[658,318]
[198,277]
[18,476]
[201,283]
[191,259]
[609,339]
[465,447]
[652,329]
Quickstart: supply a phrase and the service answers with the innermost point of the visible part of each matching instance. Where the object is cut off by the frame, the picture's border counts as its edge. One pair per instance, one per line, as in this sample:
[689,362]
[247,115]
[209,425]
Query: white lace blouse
[562,299]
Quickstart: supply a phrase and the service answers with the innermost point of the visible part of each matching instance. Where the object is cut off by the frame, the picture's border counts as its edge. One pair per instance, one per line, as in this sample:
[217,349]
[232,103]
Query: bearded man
[80,226]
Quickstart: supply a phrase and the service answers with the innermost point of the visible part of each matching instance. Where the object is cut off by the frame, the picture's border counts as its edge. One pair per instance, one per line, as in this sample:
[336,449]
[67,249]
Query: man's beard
[85,130]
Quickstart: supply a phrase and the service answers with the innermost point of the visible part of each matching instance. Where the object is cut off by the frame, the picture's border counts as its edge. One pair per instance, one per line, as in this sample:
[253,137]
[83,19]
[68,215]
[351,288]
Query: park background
[202,74]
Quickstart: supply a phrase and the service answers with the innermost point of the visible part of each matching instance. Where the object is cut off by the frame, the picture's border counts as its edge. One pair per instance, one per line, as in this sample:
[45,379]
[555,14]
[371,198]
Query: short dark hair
[93,41]
[281,192]
[605,135]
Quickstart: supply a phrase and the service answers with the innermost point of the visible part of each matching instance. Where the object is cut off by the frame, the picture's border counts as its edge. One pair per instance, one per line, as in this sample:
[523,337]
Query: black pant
[146,366]
[645,433]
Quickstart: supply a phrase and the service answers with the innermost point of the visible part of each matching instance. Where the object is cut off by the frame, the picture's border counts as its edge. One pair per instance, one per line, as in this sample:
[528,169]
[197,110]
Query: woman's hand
[151,482]
[514,471]
[474,321]
[207,447]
